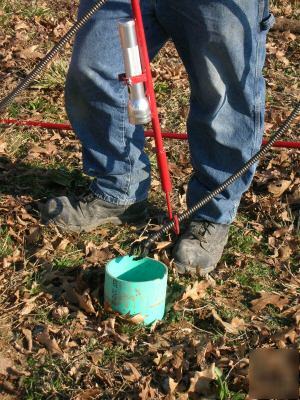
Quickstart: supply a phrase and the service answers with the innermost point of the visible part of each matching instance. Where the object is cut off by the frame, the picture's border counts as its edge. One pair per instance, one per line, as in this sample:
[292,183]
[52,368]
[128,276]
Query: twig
[232,368]
[199,329]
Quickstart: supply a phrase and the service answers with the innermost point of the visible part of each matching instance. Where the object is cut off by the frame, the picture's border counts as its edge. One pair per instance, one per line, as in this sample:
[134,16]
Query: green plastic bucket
[136,287]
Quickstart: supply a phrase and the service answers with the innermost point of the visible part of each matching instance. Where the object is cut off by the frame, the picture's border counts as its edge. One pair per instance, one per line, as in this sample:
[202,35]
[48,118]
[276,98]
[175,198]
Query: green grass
[32,283]
[162,87]
[54,77]
[273,320]
[47,380]
[178,316]
[14,109]
[256,276]
[238,243]
[68,260]
[115,354]
[33,9]
[131,330]
[223,391]
[6,243]
[17,141]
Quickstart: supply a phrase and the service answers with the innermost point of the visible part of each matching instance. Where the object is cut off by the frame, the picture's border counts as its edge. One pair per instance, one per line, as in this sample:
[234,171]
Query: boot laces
[87,197]
[200,229]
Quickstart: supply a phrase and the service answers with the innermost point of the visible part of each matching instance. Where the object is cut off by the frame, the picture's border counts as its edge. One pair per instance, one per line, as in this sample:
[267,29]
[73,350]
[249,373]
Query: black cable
[43,63]
[142,249]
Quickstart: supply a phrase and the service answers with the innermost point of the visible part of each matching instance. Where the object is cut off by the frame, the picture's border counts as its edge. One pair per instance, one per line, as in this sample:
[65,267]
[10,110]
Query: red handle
[160,152]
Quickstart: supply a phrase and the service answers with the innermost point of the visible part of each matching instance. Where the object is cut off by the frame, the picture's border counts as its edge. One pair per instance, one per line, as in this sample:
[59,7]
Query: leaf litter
[57,337]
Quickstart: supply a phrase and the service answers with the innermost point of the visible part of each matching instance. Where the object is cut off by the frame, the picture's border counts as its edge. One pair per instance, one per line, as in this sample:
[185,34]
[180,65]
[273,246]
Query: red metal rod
[39,124]
[166,135]
[160,151]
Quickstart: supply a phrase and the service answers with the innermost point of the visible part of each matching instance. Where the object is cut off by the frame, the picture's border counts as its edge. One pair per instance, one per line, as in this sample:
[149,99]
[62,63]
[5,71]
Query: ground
[57,340]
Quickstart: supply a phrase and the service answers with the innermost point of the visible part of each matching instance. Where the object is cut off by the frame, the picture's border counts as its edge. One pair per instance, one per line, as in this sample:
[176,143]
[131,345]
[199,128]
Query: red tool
[138,76]
[167,135]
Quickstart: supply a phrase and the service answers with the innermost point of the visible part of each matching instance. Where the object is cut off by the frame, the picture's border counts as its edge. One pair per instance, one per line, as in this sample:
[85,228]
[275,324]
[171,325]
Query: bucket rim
[140,282]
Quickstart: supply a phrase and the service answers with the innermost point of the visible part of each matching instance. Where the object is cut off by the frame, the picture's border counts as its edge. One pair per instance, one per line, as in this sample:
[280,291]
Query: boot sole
[103,221]
[183,269]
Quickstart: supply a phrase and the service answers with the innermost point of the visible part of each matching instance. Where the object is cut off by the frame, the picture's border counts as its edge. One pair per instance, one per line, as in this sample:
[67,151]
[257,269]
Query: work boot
[89,212]
[200,248]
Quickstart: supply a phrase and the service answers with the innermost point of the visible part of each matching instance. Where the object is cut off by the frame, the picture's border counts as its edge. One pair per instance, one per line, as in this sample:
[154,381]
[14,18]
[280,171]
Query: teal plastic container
[136,287]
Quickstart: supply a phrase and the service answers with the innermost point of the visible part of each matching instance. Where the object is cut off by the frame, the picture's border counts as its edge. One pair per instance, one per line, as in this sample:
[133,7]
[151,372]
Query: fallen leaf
[131,373]
[285,253]
[60,312]
[201,381]
[36,150]
[43,337]
[84,300]
[280,188]
[28,336]
[21,25]
[3,146]
[63,244]
[27,309]
[96,356]
[196,291]
[34,235]
[138,319]
[236,325]
[170,385]
[269,298]
[162,245]
[30,53]
[163,359]
[5,364]
[89,394]
[8,386]
[146,392]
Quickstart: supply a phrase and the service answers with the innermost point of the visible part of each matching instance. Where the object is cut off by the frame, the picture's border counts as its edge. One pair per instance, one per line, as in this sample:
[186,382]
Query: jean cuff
[112,199]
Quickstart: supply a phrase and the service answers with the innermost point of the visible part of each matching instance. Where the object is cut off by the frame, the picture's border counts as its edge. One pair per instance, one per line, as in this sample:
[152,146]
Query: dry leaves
[131,373]
[197,290]
[236,325]
[42,336]
[278,189]
[201,382]
[89,394]
[5,364]
[269,298]
[28,336]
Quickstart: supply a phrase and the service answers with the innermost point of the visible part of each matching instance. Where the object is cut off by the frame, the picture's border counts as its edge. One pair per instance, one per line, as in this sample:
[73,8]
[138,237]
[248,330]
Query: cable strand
[206,199]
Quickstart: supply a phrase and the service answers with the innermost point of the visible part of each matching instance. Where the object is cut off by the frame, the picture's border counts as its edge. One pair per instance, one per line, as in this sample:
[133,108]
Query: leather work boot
[200,248]
[86,214]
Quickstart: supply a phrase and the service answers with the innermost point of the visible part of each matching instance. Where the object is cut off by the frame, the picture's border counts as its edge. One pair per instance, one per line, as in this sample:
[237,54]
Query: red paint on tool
[160,151]
[166,135]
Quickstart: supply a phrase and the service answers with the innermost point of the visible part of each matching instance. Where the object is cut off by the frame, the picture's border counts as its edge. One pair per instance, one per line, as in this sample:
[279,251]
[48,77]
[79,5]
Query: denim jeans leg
[222,44]
[96,103]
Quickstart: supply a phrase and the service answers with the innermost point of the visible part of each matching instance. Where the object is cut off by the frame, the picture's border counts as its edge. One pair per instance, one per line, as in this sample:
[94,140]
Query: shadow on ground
[18,178]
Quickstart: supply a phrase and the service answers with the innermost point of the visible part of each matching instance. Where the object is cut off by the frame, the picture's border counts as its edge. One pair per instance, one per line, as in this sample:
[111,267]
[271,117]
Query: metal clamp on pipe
[139,111]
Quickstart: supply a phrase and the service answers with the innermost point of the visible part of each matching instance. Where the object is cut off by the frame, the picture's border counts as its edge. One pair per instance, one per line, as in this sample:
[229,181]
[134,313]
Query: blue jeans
[222,45]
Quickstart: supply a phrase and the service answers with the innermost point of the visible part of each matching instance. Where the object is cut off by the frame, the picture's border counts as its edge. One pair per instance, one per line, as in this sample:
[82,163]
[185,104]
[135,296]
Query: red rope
[167,135]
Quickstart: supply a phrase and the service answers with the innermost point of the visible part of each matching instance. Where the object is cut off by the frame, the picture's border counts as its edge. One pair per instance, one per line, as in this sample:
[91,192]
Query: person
[222,46]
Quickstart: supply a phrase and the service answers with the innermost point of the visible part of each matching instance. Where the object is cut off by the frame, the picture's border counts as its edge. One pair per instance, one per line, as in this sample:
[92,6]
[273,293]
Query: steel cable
[143,248]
